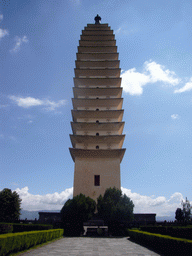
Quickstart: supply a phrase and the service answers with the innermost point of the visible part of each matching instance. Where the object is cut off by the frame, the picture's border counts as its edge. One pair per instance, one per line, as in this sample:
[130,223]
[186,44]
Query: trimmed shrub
[180,232]
[21,241]
[6,228]
[165,244]
[17,227]
[30,227]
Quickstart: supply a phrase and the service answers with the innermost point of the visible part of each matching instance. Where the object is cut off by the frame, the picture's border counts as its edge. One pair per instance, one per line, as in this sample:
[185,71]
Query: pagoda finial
[97,19]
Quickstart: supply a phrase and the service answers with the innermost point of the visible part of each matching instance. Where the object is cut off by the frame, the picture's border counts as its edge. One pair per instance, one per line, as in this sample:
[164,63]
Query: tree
[179,215]
[75,212]
[186,210]
[9,205]
[185,213]
[115,208]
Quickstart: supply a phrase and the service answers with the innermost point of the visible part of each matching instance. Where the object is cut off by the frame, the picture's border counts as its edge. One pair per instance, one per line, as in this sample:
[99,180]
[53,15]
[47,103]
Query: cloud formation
[185,88]
[3,32]
[28,102]
[143,204]
[19,42]
[151,204]
[133,81]
[175,116]
[53,201]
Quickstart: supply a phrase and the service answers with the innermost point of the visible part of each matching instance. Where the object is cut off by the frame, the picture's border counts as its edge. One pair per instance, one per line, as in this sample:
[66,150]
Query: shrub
[30,227]
[21,241]
[6,228]
[180,232]
[166,244]
[75,212]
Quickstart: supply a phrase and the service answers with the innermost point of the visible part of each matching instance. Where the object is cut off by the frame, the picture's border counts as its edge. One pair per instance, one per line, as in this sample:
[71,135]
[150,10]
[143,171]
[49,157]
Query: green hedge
[6,228]
[22,241]
[17,227]
[180,232]
[30,227]
[166,244]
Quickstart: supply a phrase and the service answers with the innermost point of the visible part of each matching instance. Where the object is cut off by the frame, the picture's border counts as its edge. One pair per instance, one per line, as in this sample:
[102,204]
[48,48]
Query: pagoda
[97,113]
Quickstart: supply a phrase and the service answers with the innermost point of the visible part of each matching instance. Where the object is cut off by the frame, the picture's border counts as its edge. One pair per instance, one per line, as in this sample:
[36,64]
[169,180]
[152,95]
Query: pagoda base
[93,175]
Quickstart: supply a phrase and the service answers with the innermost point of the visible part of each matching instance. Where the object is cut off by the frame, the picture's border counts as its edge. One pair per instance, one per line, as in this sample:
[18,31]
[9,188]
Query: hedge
[17,227]
[30,227]
[180,232]
[6,228]
[166,244]
[21,241]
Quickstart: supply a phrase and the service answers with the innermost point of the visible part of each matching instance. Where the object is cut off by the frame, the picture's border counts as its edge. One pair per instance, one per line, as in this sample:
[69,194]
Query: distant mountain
[32,215]
[167,218]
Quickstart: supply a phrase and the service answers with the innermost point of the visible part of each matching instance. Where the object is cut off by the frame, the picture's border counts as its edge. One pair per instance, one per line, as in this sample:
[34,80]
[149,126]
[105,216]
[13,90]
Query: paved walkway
[85,246]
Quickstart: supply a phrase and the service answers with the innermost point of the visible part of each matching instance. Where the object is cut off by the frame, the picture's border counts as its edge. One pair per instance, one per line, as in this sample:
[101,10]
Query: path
[84,246]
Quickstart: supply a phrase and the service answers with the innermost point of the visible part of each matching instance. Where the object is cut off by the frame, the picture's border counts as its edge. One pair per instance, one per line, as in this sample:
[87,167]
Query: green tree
[115,208]
[76,211]
[185,213]
[179,215]
[9,205]
[186,210]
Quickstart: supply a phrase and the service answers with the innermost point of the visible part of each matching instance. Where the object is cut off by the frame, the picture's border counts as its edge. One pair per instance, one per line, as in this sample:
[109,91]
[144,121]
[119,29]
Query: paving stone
[85,246]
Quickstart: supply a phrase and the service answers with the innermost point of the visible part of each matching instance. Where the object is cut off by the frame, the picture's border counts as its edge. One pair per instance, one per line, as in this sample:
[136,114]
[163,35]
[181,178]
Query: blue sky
[38,45]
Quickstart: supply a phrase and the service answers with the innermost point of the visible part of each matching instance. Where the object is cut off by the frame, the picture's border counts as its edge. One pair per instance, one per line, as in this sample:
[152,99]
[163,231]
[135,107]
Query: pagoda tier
[86,128]
[99,92]
[97,43]
[86,153]
[82,115]
[100,141]
[92,82]
[97,113]
[93,104]
[87,72]
[95,64]
[97,56]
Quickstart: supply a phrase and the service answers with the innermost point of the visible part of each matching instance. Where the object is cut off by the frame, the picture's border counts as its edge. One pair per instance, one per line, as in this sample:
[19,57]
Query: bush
[30,227]
[22,241]
[75,212]
[6,228]
[15,228]
[115,207]
[165,244]
[180,232]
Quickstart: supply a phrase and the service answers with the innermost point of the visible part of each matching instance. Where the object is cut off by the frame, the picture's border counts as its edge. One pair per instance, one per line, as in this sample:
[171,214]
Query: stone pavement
[86,246]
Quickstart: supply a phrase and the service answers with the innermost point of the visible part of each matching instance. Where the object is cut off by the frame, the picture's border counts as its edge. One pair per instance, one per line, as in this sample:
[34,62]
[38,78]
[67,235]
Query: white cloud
[185,88]
[3,32]
[159,205]
[53,201]
[26,102]
[33,102]
[143,204]
[133,81]
[175,116]
[158,73]
[19,42]
[118,30]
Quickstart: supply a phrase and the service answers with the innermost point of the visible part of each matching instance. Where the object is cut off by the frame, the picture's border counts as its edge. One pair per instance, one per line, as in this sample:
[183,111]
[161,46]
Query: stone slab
[84,246]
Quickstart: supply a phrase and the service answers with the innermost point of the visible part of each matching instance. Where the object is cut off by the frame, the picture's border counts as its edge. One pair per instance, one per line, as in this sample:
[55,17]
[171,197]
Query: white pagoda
[97,113]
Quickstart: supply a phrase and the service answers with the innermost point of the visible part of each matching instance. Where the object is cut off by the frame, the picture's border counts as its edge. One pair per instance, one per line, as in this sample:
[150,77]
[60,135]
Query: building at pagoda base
[97,113]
